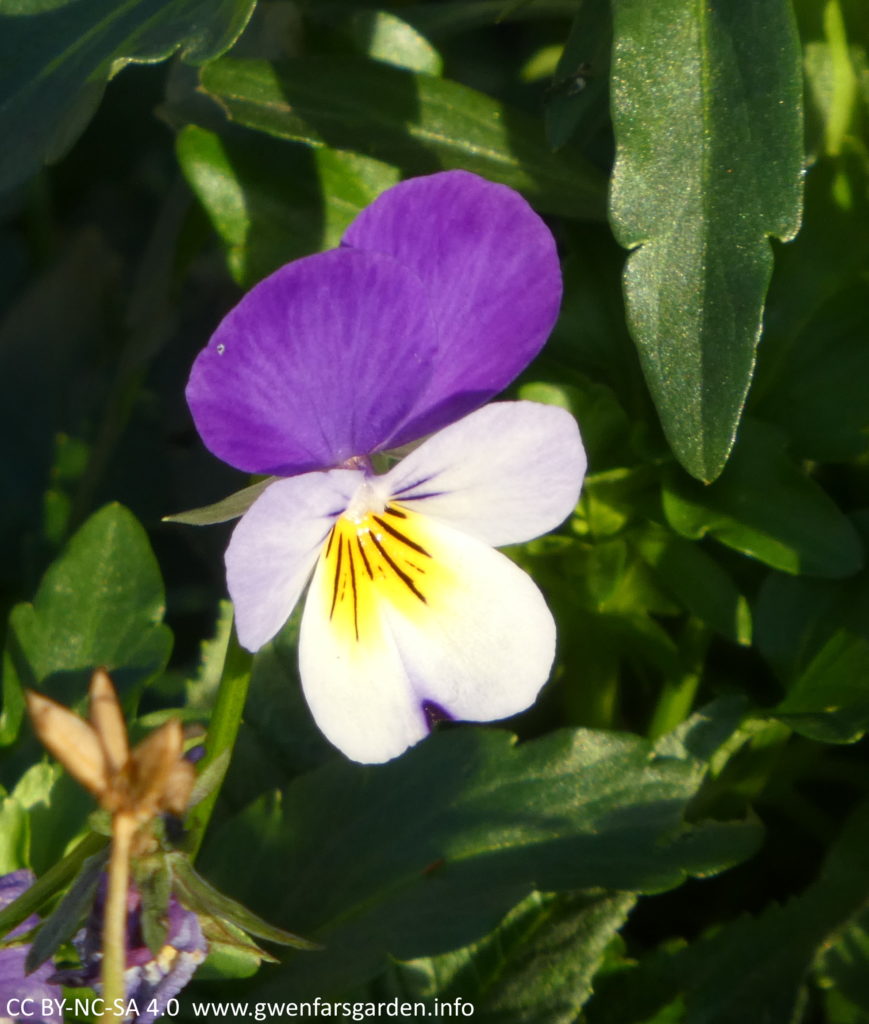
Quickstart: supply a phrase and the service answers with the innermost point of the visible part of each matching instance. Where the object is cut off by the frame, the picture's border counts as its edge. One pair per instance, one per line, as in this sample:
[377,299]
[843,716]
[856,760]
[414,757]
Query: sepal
[231,507]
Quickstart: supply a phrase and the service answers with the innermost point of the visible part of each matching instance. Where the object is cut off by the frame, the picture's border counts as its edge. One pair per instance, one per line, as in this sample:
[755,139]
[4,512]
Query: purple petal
[321,361]
[14,983]
[163,977]
[494,283]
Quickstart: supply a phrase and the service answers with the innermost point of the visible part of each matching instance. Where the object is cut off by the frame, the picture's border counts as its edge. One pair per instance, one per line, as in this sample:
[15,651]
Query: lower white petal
[406,612]
[275,545]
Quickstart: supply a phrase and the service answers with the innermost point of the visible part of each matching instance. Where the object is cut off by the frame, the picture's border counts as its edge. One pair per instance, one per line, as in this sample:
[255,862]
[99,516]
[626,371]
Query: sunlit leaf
[100,604]
[443,841]
[272,201]
[384,36]
[707,116]
[415,121]
[537,964]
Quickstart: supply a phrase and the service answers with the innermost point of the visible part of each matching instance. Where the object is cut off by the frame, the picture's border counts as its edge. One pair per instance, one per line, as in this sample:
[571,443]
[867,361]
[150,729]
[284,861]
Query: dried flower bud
[140,783]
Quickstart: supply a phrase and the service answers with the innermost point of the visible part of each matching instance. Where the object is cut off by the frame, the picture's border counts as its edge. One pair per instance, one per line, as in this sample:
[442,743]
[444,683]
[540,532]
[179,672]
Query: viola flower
[150,980]
[443,291]
[22,994]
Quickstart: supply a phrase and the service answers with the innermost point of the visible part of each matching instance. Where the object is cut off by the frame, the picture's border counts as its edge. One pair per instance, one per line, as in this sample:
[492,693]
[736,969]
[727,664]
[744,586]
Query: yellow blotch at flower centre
[390,556]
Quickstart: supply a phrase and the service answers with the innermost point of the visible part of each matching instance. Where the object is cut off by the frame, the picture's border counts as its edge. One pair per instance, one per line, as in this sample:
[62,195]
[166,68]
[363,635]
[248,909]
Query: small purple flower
[151,981]
[443,291]
[23,996]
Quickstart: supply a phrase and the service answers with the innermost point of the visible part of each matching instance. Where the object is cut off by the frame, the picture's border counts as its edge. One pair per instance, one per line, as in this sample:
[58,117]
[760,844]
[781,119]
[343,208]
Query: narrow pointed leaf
[415,121]
[50,883]
[201,897]
[65,919]
[708,123]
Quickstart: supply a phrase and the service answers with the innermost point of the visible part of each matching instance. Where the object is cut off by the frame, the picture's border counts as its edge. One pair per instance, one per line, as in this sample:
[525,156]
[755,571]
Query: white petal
[404,610]
[483,646]
[358,692]
[506,473]
[275,545]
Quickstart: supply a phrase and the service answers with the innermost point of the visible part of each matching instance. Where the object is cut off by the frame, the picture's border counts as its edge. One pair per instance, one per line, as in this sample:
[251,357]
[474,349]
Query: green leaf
[231,954]
[815,636]
[819,397]
[758,961]
[832,78]
[63,922]
[271,201]
[384,37]
[762,962]
[814,360]
[14,835]
[707,116]
[414,121]
[443,841]
[842,970]
[829,700]
[696,581]
[201,897]
[765,506]
[54,64]
[536,965]
[446,19]
[578,96]
[100,604]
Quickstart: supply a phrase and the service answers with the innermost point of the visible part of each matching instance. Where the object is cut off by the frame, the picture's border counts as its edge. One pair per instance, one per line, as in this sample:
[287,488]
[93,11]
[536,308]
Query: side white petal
[359,694]
[506,473]
[418,613]
[273,549]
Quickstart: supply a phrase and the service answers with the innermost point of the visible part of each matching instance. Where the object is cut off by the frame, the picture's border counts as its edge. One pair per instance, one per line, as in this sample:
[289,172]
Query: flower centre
[372,554]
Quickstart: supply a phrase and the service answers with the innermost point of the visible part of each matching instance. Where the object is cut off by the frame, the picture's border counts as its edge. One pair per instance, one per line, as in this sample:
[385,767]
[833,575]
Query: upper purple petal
[492,274]
[321,361]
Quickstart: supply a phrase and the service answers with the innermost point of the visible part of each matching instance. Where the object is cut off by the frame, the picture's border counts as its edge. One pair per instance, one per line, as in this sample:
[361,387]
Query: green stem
[222,731]
[114,962]
[677,697]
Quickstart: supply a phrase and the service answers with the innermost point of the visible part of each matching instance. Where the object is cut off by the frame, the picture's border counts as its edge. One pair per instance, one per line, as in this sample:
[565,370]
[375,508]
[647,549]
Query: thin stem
[677,696]
[222,731]
[115,917]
